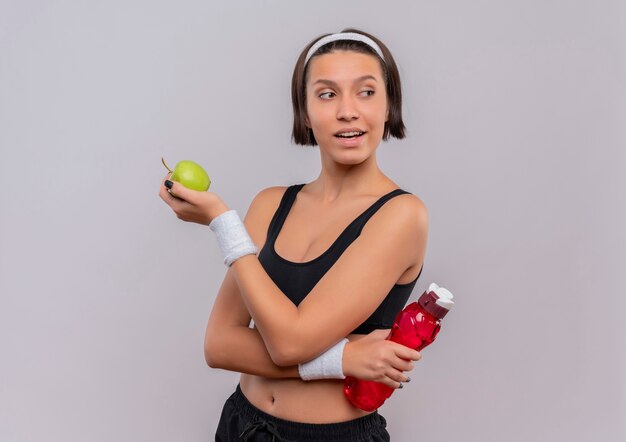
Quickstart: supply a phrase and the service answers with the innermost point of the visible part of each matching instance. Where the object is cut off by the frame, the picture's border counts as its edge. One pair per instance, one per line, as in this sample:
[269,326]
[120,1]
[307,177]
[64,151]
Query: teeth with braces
[350,134]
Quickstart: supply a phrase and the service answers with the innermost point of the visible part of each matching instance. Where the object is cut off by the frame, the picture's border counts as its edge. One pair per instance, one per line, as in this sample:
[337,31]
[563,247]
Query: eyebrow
[332,83]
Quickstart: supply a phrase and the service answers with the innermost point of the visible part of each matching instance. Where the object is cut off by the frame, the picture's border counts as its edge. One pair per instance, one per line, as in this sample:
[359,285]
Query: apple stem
[163,161]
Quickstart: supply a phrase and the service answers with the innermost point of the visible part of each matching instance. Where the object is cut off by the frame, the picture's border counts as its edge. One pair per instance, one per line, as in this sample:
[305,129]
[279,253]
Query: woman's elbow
[210,359]
[280,359]
[286,355]
[213,355]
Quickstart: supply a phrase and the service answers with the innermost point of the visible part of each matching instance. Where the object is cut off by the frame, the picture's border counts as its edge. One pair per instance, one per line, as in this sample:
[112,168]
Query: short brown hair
[301,134]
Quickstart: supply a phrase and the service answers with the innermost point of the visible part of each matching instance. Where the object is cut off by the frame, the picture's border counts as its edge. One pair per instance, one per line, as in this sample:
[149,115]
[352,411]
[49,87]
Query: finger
[166,196]
[402,364]
[397,376]
[391,382]
[179,191]
[167,177]
[178,205]
[406,352]
[163,191]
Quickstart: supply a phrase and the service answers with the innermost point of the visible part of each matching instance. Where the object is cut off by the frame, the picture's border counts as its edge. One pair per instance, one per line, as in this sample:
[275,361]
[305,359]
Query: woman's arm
[230,344]
[229,341]
[391,242]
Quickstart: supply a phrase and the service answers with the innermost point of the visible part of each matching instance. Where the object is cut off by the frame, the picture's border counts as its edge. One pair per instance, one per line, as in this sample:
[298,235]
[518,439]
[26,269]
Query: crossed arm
[231,344]
[349,292]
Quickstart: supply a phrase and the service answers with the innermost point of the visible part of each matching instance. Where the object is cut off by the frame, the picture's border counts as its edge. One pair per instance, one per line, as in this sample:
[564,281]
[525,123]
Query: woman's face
[346,103]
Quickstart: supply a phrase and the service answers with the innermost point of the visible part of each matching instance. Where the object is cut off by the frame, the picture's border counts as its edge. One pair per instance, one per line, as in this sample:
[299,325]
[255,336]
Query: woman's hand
[373,358]
[191,205]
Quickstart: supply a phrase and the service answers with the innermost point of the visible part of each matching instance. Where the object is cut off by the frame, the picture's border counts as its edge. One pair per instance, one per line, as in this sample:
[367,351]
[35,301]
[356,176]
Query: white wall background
[515,112]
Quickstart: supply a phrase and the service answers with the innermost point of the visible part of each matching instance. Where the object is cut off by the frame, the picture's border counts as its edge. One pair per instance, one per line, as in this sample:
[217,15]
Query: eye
[326,95]
[367,93]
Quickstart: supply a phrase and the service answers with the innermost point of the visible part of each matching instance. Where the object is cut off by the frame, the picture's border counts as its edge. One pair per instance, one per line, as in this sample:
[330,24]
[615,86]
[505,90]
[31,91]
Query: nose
[347,109]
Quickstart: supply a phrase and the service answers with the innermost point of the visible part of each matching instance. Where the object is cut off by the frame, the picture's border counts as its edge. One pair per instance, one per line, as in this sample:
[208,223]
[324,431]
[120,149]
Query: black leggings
[242,421]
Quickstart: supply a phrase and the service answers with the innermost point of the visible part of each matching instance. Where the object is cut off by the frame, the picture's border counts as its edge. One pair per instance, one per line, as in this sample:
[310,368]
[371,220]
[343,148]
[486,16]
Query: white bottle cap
[444,295]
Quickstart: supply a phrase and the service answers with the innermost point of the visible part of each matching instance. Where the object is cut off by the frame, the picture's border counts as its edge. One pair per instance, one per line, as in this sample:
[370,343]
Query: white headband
[343,36]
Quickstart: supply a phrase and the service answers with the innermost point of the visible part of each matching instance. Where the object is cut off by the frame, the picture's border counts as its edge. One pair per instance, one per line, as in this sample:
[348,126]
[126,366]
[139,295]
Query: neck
[343,181]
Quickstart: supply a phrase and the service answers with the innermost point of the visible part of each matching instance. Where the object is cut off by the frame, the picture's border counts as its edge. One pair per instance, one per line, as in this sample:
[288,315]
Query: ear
[387,114]
[307,122]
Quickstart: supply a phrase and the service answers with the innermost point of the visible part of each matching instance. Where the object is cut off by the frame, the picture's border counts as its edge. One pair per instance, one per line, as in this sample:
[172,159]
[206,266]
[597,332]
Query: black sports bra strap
[281,213]
[365,216]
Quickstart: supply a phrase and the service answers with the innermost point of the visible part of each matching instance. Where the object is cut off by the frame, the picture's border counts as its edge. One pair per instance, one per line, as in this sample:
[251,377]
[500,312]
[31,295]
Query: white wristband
[232,236]
[328,365]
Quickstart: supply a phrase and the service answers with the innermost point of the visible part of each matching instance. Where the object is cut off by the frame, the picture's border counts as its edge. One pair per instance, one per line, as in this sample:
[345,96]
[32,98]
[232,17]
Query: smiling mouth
[350,135]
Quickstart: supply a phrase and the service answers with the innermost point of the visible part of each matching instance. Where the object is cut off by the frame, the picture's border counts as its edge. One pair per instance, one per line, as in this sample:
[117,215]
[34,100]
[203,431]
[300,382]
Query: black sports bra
[297,279]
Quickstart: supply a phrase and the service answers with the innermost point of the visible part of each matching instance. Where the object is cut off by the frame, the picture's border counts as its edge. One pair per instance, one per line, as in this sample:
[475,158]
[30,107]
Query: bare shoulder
[405,216]
[267,200]
[270,195]
[260,212]
[410,205]
[405,210]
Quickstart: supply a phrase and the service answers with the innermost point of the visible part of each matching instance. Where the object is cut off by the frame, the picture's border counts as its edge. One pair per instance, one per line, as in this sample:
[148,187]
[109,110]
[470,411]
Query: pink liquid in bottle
[416,327]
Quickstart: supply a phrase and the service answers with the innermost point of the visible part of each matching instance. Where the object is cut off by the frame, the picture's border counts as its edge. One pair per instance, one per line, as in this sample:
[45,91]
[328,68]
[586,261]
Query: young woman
[339,257]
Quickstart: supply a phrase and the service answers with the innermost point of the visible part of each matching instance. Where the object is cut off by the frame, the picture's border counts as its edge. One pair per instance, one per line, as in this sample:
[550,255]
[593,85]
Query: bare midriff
[319,401]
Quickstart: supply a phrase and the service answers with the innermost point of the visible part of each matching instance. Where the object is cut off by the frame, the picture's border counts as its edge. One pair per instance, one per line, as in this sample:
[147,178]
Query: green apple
[190,174]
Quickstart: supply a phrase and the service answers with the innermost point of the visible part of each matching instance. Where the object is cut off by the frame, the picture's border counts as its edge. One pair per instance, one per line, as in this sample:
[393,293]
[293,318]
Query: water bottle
[416,327]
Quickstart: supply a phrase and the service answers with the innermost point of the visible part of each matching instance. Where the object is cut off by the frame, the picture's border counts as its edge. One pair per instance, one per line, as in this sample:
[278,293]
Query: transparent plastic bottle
[416,326]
